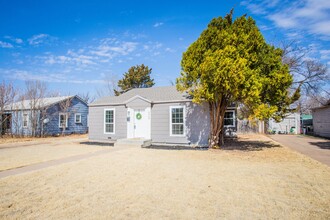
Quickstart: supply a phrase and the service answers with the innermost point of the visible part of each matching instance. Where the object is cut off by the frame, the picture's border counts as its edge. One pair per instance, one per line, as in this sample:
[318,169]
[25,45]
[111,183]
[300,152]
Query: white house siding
[96,123]
[321,121]
[290,121]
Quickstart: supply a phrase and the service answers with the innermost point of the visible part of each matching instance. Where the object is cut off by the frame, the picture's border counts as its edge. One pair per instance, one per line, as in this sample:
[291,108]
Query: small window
[63,120]
[109,121]
[25,120]
[77,118]
[229,119]
[177,121]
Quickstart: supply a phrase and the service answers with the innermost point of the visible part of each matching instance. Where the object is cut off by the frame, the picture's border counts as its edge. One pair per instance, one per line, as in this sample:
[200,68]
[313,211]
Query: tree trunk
[217,111]
[1,124]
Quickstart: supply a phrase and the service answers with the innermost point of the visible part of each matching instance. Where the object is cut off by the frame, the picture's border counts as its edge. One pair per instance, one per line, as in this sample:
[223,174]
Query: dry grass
[40,150]
[251,183]
[8,139]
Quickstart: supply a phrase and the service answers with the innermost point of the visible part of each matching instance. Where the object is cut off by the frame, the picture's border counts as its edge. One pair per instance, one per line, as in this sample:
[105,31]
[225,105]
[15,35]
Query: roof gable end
[137,97]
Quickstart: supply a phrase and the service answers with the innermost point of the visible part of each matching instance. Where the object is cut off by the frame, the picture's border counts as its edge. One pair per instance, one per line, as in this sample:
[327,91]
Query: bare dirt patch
[134,183]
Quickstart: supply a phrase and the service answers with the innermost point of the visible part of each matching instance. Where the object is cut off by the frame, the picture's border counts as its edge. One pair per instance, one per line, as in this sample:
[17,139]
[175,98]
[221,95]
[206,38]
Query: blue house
[47,116]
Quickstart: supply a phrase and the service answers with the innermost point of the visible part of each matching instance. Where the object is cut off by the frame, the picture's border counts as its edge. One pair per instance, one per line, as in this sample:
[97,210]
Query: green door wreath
[138,116]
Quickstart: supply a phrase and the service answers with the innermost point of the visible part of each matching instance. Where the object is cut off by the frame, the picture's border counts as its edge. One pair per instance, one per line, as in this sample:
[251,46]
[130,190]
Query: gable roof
[41,103]
[153,94]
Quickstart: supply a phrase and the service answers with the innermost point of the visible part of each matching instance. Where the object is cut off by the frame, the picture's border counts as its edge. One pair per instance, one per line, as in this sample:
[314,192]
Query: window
[63,120]
[25,120]
[77,118]
[229,118]
[109,121]
[177,121]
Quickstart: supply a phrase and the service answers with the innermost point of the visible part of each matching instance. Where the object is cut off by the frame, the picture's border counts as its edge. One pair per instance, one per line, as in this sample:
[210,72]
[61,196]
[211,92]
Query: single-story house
[46,116]
[160,114]
[321,120]
[289,125]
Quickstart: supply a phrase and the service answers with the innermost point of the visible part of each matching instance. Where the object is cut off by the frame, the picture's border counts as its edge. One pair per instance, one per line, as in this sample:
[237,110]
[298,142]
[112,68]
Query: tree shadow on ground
[97,143]
[246,145]
[169,147]
[230,144]
[323,145]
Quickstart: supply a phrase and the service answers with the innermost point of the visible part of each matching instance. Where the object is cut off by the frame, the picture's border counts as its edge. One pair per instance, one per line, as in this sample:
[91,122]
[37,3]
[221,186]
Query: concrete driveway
[316,148]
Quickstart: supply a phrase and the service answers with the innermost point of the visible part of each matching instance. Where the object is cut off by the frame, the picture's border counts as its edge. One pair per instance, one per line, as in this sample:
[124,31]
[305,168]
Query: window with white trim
[63,120]
[109,121]
[177,121]
[77,118]
[229,118]
[25,120]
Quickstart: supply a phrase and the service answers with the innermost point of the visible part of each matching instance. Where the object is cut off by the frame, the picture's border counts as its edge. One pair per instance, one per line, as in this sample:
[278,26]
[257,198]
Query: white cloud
[153,48]
[111,47]
[15,40]
[158,24]
[18,40]
[170,50]
[283,20]
[24,75]
[39,39]
[5,45]
[70,58]
[310,16]
[325,54]
[103,52]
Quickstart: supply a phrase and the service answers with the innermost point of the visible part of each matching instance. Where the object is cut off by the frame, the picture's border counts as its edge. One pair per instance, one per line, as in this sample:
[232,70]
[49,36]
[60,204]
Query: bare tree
[7,97]
[310,74]
[15,108]
[87,97]
[35,93]
[53,94]
[65,112]
[111,84]
[307,103]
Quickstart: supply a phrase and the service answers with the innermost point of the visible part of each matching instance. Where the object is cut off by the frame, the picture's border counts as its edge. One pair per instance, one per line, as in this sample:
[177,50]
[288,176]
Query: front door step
[133,142]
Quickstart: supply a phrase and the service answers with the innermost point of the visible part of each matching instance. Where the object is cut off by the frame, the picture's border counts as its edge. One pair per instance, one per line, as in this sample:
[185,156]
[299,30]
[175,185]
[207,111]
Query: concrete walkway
[316,148]
[51,163]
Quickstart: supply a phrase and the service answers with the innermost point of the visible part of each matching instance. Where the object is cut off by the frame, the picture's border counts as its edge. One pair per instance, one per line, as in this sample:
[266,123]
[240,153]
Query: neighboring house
[321,120]
[47,116]
[161,114]
[306,123]
[289,125]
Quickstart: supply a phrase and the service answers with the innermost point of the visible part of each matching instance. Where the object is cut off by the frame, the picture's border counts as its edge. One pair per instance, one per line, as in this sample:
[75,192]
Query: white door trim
[132,120]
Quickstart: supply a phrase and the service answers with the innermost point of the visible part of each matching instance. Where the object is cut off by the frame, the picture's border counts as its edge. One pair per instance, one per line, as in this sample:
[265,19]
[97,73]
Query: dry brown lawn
[7,139]
[22,153]
[259,181]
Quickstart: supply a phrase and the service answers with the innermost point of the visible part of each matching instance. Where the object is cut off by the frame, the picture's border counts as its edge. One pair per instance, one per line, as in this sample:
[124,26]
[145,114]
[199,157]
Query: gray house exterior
[48,116]
[161,114]
[321,120]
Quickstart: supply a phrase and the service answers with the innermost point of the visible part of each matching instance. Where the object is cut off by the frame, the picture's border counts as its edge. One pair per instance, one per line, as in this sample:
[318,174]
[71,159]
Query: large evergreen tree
[231,62]
[137,77]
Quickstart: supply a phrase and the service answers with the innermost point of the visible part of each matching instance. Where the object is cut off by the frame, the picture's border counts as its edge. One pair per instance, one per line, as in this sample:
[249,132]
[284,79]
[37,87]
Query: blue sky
[75,46]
